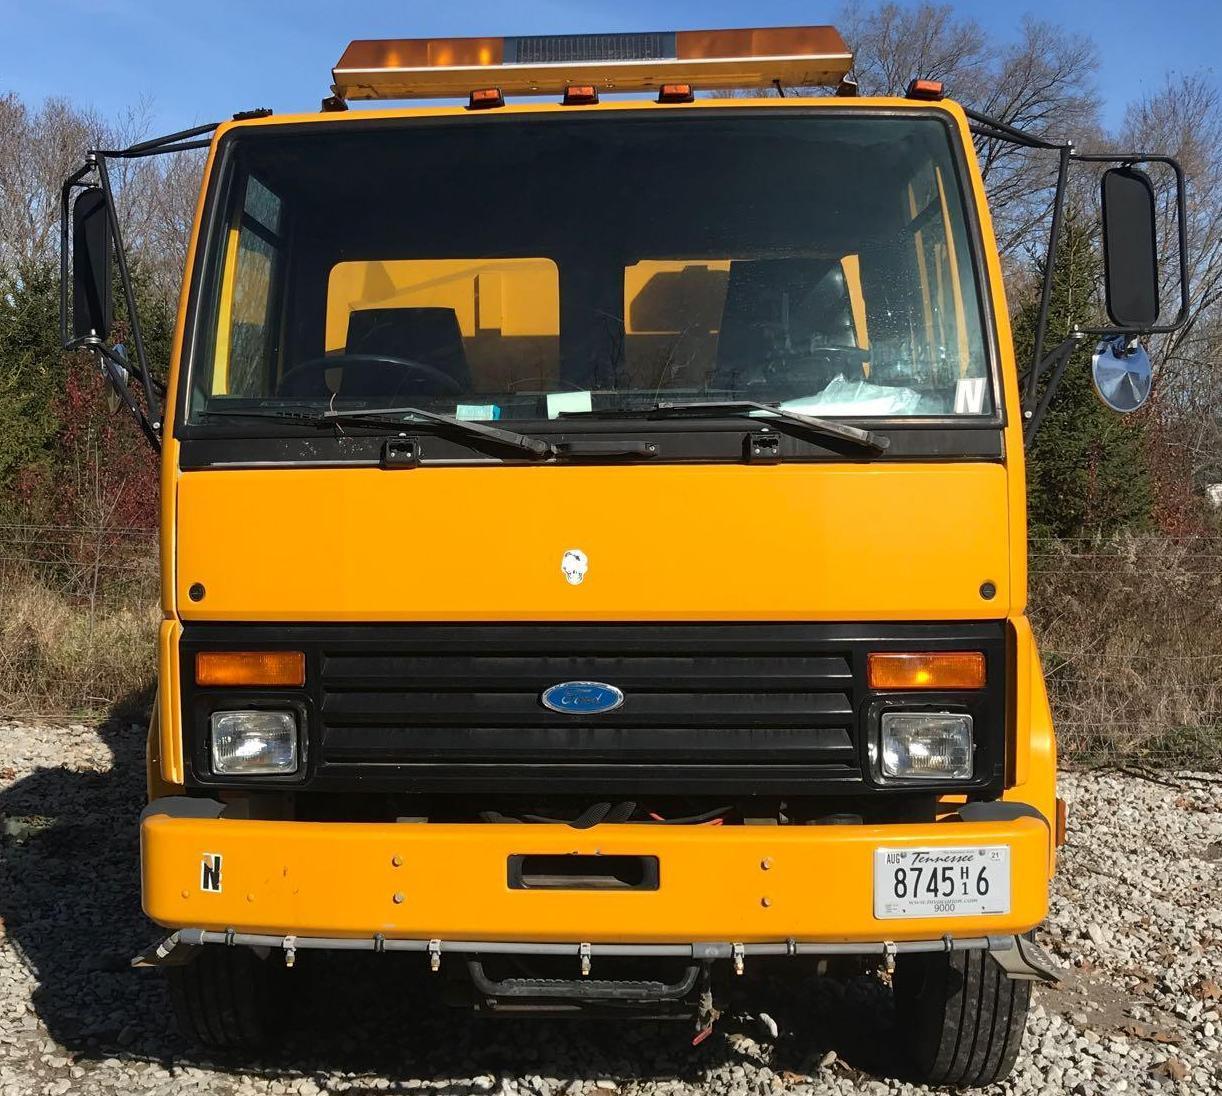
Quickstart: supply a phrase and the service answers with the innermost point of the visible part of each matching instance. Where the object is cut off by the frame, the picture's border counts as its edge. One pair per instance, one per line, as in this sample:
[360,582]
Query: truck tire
[960,1016]
[227,998]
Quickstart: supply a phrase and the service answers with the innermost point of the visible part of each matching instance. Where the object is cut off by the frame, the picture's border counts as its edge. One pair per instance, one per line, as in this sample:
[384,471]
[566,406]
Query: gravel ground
[1136,917]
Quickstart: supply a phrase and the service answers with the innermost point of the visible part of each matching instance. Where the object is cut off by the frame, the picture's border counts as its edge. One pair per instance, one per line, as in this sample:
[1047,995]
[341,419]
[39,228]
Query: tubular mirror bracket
[1057,359]
[94,173]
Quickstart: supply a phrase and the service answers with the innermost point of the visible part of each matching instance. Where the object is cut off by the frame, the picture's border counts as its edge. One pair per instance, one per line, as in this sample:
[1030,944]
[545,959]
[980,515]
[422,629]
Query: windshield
[526,269]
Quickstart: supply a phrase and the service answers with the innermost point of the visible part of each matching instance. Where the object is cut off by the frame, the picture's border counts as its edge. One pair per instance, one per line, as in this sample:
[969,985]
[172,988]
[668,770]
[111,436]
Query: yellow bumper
[741,883]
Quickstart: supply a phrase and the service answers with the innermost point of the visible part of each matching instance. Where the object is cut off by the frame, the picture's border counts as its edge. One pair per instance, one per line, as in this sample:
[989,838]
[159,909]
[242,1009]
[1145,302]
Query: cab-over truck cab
[594,542]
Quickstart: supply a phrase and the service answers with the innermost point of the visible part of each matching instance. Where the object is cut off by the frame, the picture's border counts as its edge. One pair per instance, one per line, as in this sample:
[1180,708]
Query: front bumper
[425,881]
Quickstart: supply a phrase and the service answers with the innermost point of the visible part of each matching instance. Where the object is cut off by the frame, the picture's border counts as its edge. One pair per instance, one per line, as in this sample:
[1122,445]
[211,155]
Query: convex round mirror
[1122,373]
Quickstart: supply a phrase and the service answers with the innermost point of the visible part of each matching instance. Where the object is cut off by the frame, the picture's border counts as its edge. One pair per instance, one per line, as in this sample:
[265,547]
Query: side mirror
[91,265]
[1130,248]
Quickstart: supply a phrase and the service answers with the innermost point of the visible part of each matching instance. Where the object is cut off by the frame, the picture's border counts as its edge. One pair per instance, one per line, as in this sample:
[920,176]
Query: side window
[249,330]
[951,330]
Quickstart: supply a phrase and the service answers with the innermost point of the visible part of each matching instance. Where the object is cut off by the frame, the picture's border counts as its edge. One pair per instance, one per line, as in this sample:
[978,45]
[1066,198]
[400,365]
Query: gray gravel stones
[1136,917]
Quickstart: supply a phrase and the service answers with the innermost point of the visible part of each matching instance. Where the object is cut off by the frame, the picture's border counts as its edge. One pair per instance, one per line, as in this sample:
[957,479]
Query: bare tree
[892,45]
[41,145]
[171,203]
[1042,82]
[37,149]
[1183,118]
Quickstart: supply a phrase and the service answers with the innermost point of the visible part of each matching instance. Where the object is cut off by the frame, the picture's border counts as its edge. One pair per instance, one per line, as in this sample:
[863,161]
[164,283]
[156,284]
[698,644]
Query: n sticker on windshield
[970,394]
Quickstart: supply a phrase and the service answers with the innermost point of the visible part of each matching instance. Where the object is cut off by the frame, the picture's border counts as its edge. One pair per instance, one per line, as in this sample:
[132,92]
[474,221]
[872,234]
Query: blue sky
[195,62]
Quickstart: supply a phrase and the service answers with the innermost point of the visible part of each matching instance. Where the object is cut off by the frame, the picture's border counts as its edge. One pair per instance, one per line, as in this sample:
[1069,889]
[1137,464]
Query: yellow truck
[593,535]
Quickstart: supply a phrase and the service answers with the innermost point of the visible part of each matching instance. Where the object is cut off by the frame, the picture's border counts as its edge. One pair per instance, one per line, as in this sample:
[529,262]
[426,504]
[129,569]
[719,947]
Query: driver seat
[431,336]
[775,310]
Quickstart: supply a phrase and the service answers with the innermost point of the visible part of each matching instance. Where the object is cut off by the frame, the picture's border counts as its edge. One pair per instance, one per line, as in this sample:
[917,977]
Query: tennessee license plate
[942,882]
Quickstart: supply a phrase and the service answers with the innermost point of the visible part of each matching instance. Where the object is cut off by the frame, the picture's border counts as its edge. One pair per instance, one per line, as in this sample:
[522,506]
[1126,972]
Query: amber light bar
[284,668]
[926,670]
[433,68]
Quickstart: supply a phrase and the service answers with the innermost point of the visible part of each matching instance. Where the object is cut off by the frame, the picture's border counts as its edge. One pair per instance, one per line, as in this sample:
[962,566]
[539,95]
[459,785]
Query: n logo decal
[210,873]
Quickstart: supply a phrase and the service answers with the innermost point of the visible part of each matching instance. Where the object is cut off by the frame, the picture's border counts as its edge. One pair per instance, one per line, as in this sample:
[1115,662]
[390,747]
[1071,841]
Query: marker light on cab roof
[436,68]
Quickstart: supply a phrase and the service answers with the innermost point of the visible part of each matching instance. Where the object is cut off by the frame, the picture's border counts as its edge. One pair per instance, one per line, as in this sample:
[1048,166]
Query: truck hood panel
[672,542]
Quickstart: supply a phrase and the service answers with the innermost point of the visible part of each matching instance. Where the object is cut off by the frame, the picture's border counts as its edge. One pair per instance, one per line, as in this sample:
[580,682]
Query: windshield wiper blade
[536,447]
[379,416]
[865,439]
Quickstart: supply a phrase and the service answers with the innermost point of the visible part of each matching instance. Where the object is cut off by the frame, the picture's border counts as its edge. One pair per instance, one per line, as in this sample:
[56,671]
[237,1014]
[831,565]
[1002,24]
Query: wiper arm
[379,416]
[536,447]
[865,439]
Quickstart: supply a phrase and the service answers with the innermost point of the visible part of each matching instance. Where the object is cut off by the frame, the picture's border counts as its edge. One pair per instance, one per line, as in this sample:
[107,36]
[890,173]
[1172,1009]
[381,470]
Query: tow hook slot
[401,453]
[578,872]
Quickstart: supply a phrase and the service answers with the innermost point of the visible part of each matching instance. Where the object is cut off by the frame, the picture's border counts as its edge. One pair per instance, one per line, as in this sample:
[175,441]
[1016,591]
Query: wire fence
[1130,631]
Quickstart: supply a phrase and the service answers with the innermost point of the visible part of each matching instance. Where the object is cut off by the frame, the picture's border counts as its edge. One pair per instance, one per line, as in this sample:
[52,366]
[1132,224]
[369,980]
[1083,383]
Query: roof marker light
[580,95]
[676,93]
[931,90]
[485,99]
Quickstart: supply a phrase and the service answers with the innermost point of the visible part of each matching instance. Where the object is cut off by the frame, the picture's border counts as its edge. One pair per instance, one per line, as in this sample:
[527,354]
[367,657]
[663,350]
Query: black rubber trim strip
[998,811]
[702,441]
[183,806]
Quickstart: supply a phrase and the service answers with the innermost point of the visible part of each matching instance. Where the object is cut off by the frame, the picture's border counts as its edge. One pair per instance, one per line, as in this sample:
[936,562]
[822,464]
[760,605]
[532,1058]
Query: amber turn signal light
[926,670]
[286,668]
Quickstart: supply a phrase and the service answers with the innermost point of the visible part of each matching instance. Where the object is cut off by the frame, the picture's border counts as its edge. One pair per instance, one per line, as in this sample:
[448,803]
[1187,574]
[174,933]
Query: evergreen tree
[47,397]
[1086,470]
[32,370]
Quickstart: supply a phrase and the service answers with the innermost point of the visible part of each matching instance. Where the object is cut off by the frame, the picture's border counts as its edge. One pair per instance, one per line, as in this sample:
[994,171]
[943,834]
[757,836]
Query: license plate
[942,882]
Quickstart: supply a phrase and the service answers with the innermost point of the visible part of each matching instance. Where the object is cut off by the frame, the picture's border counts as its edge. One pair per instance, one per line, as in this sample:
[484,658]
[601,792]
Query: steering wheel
[308,378]
[843,359]
[819,364]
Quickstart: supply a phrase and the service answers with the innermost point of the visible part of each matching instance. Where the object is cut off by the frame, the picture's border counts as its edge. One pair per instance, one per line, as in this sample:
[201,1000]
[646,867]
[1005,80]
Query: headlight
[927,745]
[256,743]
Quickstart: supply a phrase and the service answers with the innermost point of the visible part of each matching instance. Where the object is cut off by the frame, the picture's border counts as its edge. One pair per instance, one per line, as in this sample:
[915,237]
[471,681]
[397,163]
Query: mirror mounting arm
[129,295]
[115,369]
[93,173]
[1038,363]
[1057,360]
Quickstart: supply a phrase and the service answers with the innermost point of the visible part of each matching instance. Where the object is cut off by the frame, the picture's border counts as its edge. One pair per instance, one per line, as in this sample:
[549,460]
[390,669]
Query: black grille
[681,704]
[561,48]
[708,707]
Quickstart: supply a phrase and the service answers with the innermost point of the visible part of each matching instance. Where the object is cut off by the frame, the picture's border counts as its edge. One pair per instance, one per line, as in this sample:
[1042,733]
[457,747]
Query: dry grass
[67,654]
[1131,636]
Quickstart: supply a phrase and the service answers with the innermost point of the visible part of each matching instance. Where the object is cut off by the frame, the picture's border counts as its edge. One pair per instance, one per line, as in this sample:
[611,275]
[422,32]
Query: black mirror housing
[1130,248]
[92,299]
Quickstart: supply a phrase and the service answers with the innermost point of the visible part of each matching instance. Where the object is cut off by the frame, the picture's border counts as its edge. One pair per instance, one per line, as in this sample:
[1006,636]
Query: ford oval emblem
[582,698]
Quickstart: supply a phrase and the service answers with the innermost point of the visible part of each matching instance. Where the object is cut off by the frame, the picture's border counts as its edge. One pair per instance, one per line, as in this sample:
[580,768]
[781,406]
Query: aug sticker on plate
[942,882]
